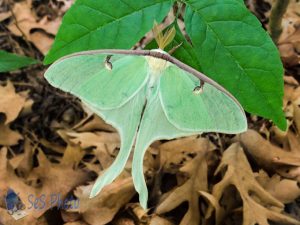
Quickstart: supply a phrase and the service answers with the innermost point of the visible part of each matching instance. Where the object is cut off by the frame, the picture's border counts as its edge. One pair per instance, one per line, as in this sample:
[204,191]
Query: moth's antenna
[175,48]
[163,39]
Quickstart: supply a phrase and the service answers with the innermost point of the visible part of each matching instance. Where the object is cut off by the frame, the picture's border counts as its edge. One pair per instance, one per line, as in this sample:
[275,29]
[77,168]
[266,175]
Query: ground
[53,147]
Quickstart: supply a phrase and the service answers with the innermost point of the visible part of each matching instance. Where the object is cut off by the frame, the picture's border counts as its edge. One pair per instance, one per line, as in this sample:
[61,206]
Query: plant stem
[278,10]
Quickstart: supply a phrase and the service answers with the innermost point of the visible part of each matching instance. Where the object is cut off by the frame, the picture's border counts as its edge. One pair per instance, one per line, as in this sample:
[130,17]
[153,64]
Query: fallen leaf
[95,139]
[76,223]
[197,171]
[4,15]
[26,23]
[123,221]
[7,219]
[9,137]
[72,156]
[258,205]
[289,41]
[267,155]
[92,123]
[290,80]
[157,220]
[56,179]
[23,163]
[138,212]
[175,153]
[215,204]
[285,190]
[101,209]
[104,143]
[11,103]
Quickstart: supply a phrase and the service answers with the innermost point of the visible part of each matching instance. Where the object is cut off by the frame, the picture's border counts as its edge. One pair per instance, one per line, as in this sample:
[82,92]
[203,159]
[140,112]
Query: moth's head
[160,51]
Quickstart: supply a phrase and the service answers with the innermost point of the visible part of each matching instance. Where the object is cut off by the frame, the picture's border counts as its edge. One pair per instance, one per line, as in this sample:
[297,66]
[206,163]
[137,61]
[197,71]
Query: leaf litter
[51,144]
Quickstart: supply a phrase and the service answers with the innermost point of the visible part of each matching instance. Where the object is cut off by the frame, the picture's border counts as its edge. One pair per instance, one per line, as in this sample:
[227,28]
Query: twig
[278,10]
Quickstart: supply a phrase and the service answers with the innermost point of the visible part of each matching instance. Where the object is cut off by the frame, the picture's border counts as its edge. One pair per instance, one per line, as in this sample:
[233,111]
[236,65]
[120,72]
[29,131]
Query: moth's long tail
[154,126]
[127,126]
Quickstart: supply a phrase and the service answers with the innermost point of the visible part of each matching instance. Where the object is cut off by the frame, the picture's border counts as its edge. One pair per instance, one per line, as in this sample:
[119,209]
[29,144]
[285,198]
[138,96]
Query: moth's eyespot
[198,90]
[108,65]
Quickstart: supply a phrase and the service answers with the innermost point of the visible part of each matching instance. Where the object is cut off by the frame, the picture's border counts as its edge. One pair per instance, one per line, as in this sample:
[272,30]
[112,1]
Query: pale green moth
[146,95]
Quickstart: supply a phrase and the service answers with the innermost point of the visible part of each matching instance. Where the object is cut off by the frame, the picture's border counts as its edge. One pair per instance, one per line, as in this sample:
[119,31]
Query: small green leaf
[232,48]
[10,62]
[103,24]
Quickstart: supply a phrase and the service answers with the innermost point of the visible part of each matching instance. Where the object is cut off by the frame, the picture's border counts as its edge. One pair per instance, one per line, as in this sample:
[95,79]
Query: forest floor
[52,148]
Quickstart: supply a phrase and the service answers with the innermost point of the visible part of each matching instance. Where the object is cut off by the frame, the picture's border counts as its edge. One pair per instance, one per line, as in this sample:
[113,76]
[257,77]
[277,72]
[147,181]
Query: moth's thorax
[157,65]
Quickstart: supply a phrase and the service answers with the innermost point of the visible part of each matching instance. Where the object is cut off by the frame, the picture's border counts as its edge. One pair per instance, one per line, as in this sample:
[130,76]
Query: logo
[14,205]
[16,208]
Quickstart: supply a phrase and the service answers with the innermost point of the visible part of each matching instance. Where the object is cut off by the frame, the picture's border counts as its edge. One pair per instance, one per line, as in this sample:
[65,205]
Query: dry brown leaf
[288,140]
[10,180]
[70,216]
[66,4]
[53,146]
[8,137]
[55,179]
[24,162]
[7,219]
[76,223]
[138,212]
[290,172]
[290,22]
[296,105]
[157,220]
[174,154]
[294,142]
[101,209]
[72,155]
[197,171]
[92,123]
[290,80]
[26,22]
[123,221]
[215,204]
[258,205]
[267,155]
[11,103]
[285,190]
[42,41]
[104,143]
[4,16]
[289,42]
[95,139]
[292,104]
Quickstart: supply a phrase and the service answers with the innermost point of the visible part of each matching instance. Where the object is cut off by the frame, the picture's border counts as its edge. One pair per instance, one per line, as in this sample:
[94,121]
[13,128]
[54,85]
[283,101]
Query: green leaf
[230,45]
[103,24]
[10,62]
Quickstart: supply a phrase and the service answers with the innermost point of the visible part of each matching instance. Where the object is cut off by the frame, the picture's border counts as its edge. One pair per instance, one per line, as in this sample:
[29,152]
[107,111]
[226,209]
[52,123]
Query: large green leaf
[231,47]
[102,24]
[10,62]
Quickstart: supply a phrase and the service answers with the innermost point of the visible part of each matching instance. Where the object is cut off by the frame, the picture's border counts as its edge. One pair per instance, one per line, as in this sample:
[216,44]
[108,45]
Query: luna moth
[146,95]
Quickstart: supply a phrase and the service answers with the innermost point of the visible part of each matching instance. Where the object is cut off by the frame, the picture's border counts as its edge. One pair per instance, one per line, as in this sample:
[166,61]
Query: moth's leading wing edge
[211,111]
[86,77]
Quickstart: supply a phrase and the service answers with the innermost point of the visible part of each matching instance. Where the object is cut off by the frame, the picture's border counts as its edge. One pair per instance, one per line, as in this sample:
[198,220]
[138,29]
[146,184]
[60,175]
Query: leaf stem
[275,26]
